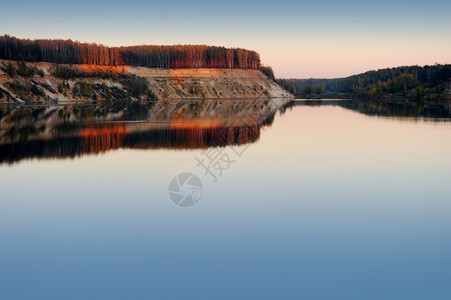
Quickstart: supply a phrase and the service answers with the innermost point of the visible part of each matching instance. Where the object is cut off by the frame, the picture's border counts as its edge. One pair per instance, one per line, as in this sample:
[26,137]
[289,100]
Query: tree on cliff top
[178,56]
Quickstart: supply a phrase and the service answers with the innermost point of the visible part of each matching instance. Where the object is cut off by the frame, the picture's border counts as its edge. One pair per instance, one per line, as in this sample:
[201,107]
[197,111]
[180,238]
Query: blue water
[328,203]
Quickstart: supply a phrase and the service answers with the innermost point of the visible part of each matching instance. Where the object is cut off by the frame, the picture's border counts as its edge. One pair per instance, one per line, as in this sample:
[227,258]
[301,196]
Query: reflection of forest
[400,109]
[70,131]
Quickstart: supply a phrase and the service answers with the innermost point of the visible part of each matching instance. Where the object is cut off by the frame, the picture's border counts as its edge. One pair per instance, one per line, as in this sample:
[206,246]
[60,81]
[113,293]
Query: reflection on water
[328,204]
[398,109]
[70,131]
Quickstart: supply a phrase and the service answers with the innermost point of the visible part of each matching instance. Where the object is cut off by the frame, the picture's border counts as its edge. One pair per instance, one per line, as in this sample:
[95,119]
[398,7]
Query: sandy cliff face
[44,87]
[209,83]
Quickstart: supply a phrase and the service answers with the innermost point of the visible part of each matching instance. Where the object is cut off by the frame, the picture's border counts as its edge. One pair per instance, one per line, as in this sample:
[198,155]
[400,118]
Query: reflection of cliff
[59,132]
[395,109]
[105,140]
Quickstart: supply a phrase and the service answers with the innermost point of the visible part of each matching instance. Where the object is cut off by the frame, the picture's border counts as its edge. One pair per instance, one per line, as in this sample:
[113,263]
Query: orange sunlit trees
[177,56]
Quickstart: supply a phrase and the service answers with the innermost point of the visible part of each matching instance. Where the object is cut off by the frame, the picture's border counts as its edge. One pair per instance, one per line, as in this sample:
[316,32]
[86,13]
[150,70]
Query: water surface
[335,200]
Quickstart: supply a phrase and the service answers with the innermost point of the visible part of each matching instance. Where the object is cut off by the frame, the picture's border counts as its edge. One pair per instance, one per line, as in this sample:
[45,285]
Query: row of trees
[303,89]
[179,56]
[394,80]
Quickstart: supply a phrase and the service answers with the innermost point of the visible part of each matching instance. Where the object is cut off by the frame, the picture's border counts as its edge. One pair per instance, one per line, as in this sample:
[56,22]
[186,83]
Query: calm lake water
[317,200]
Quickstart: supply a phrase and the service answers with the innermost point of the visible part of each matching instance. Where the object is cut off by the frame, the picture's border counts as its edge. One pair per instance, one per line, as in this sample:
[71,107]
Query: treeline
[404,81]
[179,56]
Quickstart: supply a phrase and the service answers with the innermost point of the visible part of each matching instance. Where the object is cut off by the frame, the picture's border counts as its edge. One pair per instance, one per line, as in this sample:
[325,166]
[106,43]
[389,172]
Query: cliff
[41,82]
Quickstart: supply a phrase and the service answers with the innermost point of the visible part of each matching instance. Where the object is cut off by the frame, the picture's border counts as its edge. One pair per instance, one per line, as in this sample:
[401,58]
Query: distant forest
[409,81]
[179,56]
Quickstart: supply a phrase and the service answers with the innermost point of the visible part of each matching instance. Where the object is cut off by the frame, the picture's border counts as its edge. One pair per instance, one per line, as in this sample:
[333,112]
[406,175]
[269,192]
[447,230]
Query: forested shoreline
[407,82]
[177,56]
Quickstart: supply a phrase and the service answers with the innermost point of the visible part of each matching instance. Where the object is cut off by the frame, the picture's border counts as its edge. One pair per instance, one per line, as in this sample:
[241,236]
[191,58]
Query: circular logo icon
[185,189]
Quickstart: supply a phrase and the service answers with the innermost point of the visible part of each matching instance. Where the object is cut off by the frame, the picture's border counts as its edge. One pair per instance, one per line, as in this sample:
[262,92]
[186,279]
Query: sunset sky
[297,38]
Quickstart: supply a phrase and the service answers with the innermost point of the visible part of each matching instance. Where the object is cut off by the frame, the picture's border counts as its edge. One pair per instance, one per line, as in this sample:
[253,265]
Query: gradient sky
[297,38]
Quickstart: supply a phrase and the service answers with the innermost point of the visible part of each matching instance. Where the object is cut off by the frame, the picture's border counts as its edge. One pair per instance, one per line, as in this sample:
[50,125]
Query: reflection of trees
[100,140]
[289,106]
[416,109]
[71,131]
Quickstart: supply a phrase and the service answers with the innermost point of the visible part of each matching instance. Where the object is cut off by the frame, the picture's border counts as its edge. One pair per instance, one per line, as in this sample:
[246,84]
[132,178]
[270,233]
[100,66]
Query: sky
[299,39]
